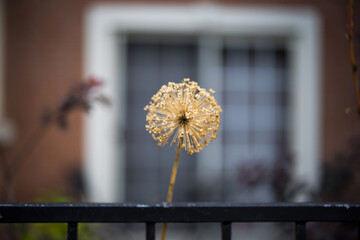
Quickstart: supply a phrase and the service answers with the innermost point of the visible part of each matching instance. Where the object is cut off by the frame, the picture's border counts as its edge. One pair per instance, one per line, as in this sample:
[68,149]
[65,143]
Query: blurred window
[254,123]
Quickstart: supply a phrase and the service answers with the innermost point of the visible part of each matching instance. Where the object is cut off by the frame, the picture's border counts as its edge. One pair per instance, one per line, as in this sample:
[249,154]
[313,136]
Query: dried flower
[186,112]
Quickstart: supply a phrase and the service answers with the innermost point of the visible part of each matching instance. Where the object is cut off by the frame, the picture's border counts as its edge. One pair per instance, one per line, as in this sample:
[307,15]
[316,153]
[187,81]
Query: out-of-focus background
[281,71]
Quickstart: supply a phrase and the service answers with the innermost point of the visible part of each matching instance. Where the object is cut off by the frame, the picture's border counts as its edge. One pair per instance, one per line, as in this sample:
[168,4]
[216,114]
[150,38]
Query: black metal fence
[150,214]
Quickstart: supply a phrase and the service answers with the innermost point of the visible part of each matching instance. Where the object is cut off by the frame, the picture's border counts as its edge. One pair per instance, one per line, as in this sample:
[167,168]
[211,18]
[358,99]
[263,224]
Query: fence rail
[150,214]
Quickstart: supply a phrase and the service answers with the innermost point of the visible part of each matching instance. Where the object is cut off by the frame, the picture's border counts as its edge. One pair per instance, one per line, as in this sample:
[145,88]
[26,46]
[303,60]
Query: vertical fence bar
[226,230]
[300,230]
[150,231]
[72,230]
[358,230]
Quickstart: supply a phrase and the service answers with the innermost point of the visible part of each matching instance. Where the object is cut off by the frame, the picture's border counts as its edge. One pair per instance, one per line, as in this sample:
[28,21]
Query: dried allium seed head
[187,113]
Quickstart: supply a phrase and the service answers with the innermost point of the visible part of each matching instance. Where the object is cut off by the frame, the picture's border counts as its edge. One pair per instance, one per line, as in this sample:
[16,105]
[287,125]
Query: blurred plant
[80,97]
[340,180]
[53,231]
[284,186]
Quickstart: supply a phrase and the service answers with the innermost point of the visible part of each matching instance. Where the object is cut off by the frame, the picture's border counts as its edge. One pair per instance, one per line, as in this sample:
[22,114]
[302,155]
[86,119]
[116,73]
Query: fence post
[72,230]
[226,230]
[300,231]
[150,231]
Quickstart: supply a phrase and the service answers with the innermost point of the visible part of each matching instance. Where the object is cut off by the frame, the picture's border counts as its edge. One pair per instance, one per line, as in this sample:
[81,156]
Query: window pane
[254,118]
[148,166]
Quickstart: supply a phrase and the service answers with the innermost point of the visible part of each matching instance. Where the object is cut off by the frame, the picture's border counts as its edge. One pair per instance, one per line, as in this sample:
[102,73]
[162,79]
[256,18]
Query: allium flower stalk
[188,115]
[183,111]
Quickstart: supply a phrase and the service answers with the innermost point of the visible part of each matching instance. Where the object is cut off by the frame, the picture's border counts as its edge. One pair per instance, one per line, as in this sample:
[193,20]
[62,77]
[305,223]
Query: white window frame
[106,26]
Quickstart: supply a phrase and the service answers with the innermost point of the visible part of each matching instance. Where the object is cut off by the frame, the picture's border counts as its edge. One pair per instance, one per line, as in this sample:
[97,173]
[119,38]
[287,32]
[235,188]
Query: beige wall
[44,58]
